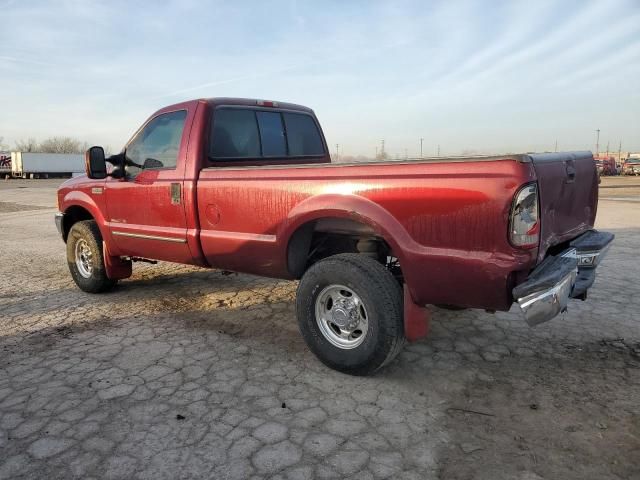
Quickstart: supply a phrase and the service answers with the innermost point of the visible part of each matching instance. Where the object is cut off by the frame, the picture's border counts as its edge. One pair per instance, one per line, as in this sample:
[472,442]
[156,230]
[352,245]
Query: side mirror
[95,164]
[117,161]
[117,172]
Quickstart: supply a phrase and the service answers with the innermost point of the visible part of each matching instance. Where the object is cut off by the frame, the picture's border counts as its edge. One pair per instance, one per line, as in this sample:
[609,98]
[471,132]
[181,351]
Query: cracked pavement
[188,373]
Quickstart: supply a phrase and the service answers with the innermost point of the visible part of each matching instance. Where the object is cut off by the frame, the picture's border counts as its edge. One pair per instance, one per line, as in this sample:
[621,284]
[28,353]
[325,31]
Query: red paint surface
[446,221]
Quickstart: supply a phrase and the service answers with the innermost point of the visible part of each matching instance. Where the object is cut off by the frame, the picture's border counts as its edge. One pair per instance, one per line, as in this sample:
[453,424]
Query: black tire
[381,295]
[87,231]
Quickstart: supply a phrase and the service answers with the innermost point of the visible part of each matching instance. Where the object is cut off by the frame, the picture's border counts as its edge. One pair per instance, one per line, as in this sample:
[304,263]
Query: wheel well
[325,237]
[72,215]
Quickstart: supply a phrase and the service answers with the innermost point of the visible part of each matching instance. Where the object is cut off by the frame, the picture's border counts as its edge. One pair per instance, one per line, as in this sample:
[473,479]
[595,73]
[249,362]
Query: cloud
[25,60]
[470,74]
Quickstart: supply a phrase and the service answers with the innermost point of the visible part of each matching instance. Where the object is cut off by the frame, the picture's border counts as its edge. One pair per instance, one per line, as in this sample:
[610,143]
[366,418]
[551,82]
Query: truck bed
[446,219]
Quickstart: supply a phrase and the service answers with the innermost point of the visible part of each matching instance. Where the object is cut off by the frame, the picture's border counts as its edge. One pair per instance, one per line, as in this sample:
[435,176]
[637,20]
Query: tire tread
[98,282]
[388,295]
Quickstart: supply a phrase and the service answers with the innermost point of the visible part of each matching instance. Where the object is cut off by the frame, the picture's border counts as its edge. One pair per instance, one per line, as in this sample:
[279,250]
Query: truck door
[145,209]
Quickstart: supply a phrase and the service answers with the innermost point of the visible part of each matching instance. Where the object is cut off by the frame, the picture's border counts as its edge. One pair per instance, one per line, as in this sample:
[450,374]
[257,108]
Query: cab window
[157,145]
[303,136]
[235,134]
[246,133]
[274,143]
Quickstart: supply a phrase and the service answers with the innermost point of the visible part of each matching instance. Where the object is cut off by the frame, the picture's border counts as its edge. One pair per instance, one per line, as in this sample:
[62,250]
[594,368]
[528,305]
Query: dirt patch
[11,207]
[571,417]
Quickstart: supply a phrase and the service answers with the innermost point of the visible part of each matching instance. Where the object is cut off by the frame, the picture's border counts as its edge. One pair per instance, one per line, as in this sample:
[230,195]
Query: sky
[468,76]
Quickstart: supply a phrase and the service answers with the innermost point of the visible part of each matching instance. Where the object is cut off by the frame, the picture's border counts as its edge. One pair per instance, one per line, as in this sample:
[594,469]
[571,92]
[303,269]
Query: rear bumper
[558,278]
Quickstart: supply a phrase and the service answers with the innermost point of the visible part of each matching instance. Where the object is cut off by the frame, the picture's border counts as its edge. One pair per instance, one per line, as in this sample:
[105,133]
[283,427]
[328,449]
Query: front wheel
[85,258]
[349,310]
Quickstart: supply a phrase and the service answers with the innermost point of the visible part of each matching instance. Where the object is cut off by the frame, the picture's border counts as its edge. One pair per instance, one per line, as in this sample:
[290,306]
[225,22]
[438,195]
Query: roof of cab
[253,102]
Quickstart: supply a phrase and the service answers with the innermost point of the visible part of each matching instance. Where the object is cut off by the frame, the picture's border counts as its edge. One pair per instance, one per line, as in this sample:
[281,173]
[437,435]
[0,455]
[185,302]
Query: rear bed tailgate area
[568,189]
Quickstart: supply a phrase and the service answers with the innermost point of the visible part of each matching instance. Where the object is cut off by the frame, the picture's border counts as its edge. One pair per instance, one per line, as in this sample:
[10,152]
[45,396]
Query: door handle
[175,193]
[571,173]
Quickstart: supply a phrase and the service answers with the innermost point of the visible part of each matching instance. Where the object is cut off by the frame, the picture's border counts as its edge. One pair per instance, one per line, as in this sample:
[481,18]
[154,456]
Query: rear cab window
[245,133]
[302,135]
[272,134]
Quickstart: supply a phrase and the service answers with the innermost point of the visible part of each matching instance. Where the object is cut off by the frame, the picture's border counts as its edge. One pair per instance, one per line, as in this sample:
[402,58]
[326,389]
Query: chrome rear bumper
[542,306]
[558,278]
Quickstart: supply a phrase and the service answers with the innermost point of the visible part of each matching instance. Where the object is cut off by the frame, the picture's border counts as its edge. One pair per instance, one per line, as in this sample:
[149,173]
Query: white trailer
[45,165]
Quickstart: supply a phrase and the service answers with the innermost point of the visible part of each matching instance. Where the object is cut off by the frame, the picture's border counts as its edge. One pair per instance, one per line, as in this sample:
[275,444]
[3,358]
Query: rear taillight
[524,225]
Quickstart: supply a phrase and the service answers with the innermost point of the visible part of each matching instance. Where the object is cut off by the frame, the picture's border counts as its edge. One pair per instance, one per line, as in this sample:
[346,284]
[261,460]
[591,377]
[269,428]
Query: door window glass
[157,145]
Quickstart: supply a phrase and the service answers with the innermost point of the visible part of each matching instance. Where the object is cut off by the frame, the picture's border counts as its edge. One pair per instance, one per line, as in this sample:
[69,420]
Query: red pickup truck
[248,186]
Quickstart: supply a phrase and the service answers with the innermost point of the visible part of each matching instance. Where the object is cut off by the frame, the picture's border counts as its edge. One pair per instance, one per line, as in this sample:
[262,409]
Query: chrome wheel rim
[84,258]
[342,316]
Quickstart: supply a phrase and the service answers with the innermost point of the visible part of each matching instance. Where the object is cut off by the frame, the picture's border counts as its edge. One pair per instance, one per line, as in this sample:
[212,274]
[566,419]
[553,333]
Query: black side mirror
[118,165]
[117,172]
[95,164]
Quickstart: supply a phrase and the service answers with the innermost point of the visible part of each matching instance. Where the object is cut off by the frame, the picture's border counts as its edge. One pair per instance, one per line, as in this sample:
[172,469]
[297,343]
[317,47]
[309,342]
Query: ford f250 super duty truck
[248,186]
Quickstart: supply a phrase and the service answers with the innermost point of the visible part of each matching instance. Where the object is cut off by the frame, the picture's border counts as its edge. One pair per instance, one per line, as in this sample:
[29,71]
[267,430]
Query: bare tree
[3,146]
[29,145]
[62,145]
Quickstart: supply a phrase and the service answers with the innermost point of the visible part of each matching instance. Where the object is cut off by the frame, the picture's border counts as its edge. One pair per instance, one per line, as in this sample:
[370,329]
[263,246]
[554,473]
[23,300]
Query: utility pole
[337,151]
[620,153]
[421,140]
[607,149]
[382,148]
[556,145]
[597,142]
[438,149]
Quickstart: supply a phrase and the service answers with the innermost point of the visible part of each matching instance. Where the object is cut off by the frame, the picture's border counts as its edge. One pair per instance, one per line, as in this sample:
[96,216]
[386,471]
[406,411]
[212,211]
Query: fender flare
[352,207]
[77,198]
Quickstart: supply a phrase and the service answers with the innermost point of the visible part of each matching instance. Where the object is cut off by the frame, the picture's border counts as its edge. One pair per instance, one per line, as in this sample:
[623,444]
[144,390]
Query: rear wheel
[85,258]
[349,310]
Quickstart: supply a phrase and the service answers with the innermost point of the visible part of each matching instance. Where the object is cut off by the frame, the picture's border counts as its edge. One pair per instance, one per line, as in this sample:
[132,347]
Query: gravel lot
[188,373]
